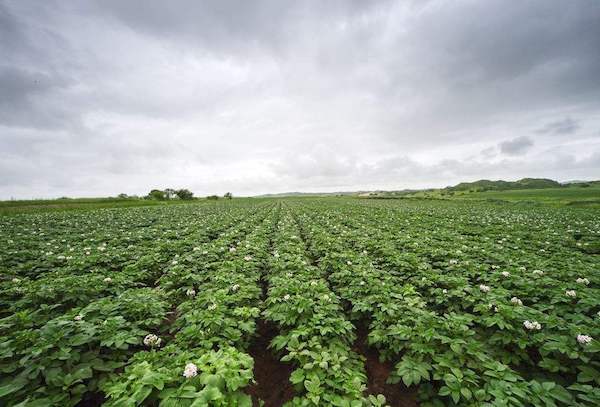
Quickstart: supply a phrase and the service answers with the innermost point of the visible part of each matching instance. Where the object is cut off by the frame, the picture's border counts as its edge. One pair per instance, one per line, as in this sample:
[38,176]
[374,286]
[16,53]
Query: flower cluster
[108,280]
[78,318]
[516,301]
[152,340]
[584,281]
[190,370]
[537,272]
[571,293]
[190,292]
[484,288]
[532,325]
[505,274]
[235,287]
[247,258]
[584,339]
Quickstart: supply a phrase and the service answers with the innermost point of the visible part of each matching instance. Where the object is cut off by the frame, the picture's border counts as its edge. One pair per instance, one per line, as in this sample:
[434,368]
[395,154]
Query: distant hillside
[487,185]
[284,194]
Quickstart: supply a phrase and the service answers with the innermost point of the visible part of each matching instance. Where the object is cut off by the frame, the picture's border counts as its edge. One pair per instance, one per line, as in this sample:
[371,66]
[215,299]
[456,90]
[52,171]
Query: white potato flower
[584,281]
[532,325]
[538,272]
[107,280]
[571,293]
[235,287]
[190,370]
[484,288]
[516,300]
[247,258]
[505,274]
[584,339]
[190,292]
[152,340]
[78,318]
[286,297]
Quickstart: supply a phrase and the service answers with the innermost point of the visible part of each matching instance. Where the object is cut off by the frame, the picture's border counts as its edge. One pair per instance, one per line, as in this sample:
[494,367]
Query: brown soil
[271,375]
[91,400]
[396,395]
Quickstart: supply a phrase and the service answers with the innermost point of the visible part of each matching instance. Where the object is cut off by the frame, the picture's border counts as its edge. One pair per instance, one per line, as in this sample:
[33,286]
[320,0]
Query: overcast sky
[98,98]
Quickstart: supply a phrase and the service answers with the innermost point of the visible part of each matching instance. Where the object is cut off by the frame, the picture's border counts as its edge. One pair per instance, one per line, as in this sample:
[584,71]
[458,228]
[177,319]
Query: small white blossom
[232,249]
[584,281]
[517,301]
[362,282]
[532,325]
[16,280]
[349,263]
[212,307]
[484,288]
[190,292]
[174,262]
[190,370]
[505,274]
[107,280]
[286,297]
[445,291]
[522,268]
[235,287]
[453,261]
[78,318]
[584,339]
[538,272]
[152,340]
[571,293]
[247,258]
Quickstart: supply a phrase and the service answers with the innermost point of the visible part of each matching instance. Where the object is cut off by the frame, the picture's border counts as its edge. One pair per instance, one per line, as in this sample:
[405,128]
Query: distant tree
[228,195]
[122,196]
[170,193]
[156,194]
[212,197]
[184,194]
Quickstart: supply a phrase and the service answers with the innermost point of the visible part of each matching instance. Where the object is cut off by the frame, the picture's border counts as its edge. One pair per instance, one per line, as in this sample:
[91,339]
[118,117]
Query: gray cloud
[516,146]
[560,127]
[105,97]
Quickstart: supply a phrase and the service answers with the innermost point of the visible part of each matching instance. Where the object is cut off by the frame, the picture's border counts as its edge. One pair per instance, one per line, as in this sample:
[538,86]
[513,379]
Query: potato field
[301,302]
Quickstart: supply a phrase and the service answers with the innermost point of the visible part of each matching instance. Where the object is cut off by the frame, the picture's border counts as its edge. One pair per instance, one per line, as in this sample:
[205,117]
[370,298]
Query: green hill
[487,185]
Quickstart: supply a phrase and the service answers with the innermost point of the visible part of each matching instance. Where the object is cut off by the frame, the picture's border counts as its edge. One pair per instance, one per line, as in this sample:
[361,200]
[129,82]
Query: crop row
[441,320]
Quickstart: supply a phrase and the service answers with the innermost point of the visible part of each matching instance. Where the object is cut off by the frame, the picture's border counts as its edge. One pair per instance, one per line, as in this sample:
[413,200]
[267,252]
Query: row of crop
[203,360]
[36,301]
[71,356]
[436,346]
[313,332]
[107,239]
[543,323]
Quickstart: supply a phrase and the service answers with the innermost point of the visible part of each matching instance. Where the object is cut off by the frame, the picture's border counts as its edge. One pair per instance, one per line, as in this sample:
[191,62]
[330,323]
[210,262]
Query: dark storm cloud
[269,96]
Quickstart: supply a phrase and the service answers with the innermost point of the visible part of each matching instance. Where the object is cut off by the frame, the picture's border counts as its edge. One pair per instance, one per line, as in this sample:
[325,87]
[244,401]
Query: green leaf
[11,387]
